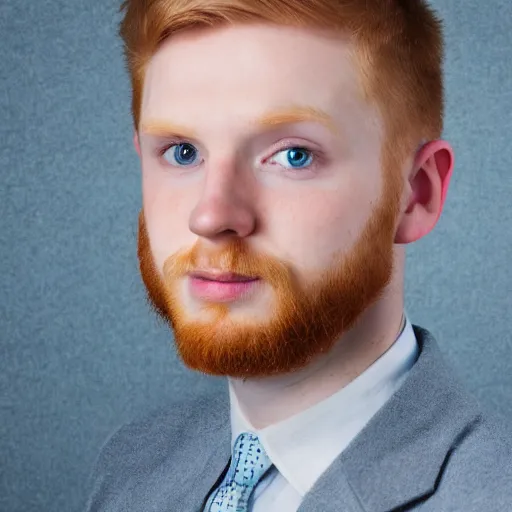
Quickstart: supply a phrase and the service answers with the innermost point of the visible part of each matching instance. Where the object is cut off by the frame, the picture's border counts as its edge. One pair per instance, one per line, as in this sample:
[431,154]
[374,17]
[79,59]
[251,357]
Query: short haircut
[398,45]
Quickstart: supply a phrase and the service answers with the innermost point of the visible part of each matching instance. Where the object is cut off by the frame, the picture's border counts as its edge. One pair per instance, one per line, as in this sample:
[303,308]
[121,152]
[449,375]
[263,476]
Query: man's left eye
[294,158]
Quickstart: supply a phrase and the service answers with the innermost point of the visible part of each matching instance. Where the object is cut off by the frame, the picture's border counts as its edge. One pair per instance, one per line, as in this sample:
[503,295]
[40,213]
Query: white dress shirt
[303,446]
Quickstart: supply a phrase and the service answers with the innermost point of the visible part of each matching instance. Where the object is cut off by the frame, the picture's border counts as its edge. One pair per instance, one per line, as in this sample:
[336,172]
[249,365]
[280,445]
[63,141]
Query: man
[290,150]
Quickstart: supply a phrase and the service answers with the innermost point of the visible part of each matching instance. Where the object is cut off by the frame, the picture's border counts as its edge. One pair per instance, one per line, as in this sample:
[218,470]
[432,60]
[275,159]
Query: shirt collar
[319,434]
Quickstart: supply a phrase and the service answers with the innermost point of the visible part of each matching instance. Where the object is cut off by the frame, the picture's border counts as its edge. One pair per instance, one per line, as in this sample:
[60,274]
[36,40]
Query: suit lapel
[399,456]
[207,459]
[332,493]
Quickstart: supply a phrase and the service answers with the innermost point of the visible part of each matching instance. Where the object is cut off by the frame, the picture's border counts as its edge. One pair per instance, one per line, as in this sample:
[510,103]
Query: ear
[427,188]
[136,142]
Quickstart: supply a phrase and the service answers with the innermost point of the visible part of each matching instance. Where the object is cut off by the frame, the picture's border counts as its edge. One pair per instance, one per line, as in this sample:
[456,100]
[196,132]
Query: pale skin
[216,89]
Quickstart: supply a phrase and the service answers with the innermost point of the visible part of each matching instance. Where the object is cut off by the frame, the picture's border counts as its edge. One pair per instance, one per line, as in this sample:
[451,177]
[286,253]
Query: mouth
[220,286]
[222,277]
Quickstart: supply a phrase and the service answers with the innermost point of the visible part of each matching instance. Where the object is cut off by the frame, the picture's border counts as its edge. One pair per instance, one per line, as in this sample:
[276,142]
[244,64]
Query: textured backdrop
[80,352]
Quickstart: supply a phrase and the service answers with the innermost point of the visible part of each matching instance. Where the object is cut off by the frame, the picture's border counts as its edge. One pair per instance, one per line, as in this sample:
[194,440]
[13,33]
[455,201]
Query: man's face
[268,223]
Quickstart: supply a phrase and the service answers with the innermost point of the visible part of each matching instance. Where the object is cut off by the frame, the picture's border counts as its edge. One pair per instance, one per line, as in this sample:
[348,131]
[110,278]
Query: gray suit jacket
[429,448]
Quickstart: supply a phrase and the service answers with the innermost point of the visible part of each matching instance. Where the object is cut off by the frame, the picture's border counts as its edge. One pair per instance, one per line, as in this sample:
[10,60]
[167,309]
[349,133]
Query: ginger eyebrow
[272,119]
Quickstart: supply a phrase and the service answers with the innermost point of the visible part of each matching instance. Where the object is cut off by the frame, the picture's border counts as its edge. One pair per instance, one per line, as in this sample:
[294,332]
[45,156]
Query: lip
[213,286]
[210,275]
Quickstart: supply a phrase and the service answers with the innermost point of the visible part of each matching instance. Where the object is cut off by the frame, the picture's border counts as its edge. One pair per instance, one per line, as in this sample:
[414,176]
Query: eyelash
[317,156]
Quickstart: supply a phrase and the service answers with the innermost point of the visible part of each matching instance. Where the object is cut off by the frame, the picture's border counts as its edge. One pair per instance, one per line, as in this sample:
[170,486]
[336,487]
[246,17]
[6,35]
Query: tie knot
[250,461]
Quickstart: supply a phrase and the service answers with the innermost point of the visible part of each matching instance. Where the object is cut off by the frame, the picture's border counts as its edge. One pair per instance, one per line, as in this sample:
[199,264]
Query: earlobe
[136,142]
[429,188]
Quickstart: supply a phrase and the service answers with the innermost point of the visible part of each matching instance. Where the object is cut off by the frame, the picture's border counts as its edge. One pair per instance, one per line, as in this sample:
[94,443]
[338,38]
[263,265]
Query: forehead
[228,75]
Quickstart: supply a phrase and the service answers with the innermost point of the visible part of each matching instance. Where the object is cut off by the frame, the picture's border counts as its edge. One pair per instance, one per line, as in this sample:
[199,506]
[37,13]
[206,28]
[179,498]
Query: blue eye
[183,154]
[295,158]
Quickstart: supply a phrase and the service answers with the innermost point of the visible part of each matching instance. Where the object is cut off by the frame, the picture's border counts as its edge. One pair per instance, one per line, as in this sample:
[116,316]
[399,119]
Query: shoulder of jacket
[482,456]
[157,431]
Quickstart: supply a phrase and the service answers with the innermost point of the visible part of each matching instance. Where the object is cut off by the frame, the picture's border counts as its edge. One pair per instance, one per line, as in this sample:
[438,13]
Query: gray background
[80,351]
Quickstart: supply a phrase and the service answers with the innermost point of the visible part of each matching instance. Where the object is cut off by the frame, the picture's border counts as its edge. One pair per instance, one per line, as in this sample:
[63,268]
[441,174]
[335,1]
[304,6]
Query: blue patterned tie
[249,463]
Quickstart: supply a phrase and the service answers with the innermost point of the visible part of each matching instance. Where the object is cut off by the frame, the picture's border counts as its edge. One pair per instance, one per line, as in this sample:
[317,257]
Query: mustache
[233,257]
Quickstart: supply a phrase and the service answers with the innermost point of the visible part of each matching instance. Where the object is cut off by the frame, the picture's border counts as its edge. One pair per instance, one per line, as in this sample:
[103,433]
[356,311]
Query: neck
[268,400]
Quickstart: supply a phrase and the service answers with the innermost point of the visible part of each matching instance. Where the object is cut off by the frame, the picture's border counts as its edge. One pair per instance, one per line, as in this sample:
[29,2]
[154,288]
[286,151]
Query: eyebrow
[273,119]
[296,114]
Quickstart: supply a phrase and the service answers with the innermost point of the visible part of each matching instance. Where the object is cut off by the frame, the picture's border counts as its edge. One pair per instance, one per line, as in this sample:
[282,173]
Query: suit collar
[209,457]
[400,455]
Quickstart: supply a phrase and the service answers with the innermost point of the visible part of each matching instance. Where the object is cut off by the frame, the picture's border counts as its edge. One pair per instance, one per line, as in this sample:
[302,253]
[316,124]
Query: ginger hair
[398,45]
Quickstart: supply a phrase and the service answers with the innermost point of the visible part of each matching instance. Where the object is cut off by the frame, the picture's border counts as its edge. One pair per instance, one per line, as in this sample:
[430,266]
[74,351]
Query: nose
[226,205]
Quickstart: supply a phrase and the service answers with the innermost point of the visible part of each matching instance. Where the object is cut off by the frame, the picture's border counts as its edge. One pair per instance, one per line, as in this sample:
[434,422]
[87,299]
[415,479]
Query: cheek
[167,213]
[313,226]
